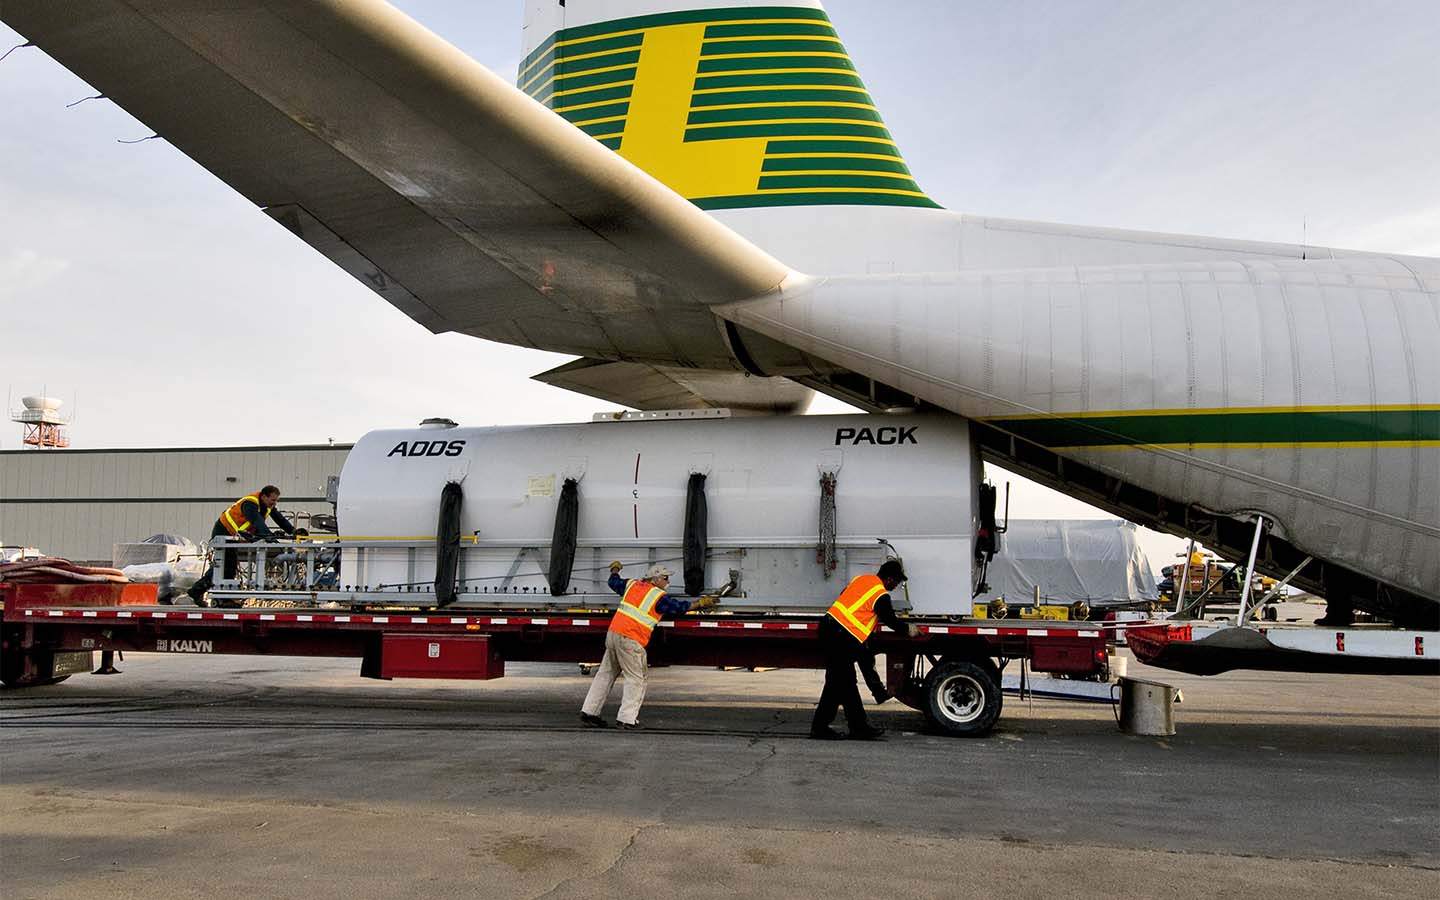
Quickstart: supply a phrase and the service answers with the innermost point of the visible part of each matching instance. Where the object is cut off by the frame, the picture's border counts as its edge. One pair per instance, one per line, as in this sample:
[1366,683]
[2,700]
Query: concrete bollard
[1147,707]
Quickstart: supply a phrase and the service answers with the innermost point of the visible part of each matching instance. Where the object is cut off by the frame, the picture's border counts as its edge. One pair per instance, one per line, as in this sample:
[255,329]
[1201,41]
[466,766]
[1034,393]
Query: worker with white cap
[643,602]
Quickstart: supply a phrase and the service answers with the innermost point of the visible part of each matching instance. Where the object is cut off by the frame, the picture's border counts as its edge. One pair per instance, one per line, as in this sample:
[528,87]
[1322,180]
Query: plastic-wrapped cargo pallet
[1098,561]
[157,548]
[906,479]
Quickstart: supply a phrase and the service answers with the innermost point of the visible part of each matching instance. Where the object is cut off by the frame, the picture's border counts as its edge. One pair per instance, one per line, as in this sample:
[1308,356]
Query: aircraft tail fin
[749,104]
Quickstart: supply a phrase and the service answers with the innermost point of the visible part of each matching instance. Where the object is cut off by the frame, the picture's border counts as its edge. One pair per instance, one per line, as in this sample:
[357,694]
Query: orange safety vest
[855,607]
[234,520]
[636,617]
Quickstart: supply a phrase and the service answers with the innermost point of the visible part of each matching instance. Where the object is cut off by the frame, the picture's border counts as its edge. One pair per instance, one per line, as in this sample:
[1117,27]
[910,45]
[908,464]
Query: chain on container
[825,550]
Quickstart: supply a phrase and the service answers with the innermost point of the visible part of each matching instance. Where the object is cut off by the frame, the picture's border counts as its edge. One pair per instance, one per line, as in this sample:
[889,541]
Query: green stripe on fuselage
[1265,427]
[833,164]
[783,95]
[815,198]
[778,79]
[779,45]
[767,29]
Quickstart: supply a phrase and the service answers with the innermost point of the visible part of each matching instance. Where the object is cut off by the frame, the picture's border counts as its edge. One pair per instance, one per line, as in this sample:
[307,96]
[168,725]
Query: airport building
[78,503]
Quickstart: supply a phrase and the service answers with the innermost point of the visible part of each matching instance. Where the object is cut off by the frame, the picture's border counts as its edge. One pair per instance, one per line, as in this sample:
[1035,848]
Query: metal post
[1185,578]
[1250,570]
[1280,585]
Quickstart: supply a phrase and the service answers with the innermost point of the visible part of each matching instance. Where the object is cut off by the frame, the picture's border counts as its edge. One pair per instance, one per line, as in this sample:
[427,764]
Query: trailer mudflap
[72,662]
[435,656]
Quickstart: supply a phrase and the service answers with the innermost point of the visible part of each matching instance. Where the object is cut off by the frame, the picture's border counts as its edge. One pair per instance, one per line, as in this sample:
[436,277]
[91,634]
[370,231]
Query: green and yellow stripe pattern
[733,108]
[587,80]
[1250,428]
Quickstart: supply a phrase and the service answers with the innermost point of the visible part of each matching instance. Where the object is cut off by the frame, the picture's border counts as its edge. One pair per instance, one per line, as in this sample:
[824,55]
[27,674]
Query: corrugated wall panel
[83,502]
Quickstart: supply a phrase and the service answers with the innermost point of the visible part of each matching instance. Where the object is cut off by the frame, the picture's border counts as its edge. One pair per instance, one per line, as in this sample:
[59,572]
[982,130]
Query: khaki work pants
[625,656]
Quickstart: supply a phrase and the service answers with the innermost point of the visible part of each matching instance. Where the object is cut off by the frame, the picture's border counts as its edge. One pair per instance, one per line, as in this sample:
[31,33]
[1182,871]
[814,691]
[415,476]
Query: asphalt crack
[614,864]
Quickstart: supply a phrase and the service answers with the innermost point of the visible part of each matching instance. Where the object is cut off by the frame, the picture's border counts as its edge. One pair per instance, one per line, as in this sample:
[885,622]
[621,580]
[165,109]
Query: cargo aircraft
[702,202]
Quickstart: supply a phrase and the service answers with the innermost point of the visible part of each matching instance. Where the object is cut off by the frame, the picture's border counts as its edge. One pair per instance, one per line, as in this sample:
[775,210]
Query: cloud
[23,271]
[1416,232]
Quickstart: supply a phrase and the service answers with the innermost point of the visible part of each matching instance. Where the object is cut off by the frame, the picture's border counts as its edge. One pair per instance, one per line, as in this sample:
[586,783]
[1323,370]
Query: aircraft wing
[449,192]
[645,387]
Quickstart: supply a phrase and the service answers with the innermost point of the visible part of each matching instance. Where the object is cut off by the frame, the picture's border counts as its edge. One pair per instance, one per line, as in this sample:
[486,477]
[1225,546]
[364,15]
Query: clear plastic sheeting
[157,548]
[173,540]
[1098,561]
[172,578]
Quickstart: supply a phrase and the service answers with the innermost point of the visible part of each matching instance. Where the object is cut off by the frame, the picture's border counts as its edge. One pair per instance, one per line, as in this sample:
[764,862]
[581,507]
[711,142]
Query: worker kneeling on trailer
[643,602]
[844,631]
[245,518]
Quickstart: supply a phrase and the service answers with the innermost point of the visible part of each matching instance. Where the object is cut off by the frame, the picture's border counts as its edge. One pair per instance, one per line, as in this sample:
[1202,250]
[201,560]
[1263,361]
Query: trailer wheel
[37,682]
[962,698]
[12,671]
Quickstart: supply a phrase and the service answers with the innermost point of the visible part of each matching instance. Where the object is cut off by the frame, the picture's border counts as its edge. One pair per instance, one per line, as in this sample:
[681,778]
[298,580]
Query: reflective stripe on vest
[855,608]
[636,617]
[234,519]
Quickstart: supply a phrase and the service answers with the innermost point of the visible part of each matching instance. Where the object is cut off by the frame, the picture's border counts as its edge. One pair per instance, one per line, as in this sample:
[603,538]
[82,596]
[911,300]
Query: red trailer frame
[950,671]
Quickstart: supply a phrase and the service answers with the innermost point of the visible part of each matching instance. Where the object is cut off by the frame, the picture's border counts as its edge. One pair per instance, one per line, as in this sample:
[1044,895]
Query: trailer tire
[962,698]
[12,671]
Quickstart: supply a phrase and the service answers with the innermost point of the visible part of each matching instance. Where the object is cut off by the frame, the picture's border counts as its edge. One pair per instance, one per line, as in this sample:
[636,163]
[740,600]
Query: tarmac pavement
[262,777]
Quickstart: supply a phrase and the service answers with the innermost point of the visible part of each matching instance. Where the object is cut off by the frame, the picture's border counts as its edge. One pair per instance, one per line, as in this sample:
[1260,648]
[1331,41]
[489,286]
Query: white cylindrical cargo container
[908,480]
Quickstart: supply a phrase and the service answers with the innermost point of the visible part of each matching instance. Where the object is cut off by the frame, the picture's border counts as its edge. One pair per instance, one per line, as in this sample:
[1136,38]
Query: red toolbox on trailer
[439,656]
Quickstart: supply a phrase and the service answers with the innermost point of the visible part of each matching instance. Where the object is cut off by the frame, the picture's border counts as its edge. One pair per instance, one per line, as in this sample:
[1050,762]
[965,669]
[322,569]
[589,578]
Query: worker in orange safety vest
[245,519]
[847,626]
[643,602]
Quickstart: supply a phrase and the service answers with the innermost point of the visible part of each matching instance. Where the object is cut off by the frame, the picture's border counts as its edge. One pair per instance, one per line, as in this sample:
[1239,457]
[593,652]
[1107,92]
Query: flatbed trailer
[950,672]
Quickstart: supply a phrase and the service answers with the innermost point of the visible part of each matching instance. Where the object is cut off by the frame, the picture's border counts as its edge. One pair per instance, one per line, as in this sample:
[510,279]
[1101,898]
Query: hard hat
[657,571]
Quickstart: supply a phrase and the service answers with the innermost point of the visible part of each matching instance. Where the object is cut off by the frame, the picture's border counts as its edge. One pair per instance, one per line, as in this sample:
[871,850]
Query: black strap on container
[447,543]
[696,535]
[562,543]
[985,540]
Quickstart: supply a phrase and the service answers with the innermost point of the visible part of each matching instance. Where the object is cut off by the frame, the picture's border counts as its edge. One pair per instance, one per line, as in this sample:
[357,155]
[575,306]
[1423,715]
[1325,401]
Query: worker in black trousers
[844,633]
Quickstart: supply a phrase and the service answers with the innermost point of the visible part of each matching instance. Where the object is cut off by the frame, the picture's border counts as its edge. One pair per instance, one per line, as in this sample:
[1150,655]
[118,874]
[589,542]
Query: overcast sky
[131,279]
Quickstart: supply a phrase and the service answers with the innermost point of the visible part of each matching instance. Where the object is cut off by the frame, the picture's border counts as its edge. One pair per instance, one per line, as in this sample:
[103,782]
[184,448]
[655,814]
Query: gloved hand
[616,566]
[912,631]
[704,602]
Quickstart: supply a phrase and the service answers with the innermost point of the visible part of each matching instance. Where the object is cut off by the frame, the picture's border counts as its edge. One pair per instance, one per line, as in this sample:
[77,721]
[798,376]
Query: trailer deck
[951,671]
